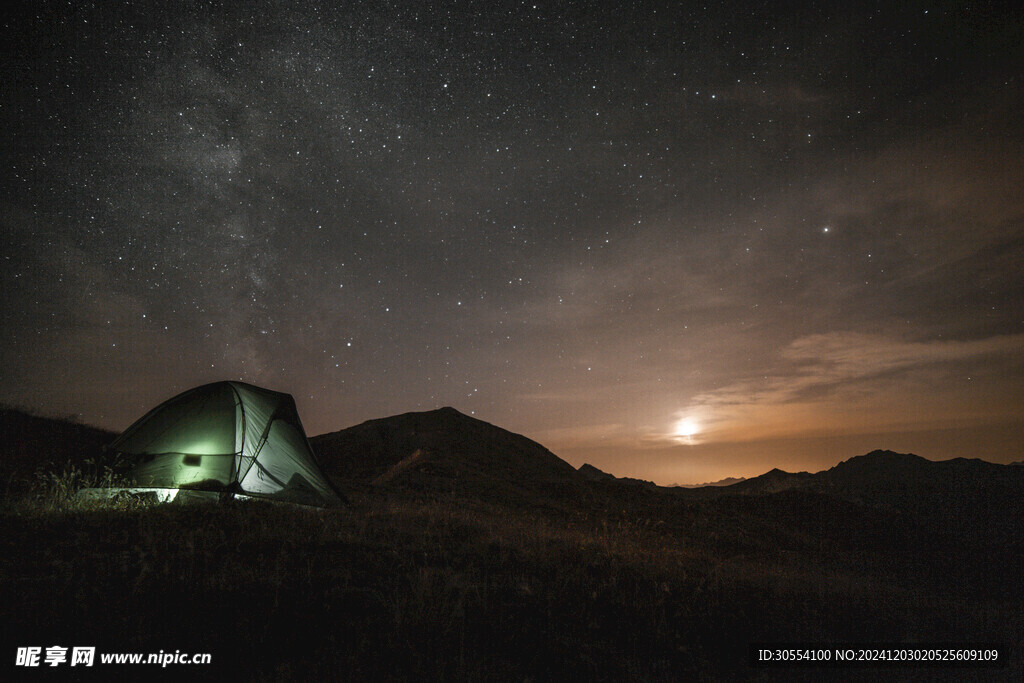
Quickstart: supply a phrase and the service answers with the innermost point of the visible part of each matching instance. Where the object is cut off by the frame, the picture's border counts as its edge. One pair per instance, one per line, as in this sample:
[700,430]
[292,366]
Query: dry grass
[398,587]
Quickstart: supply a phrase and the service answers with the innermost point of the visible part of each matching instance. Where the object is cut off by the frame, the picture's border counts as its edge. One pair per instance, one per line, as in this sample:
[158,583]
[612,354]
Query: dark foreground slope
[586,578]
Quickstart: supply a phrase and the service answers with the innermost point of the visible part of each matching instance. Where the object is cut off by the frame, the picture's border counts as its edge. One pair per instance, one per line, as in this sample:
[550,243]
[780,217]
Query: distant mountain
[591,473]
[959,492]
[438,449]
[770,482]
[880,475]
[728,481]
[773,481]
[881,465]
[886,468]
[908,481]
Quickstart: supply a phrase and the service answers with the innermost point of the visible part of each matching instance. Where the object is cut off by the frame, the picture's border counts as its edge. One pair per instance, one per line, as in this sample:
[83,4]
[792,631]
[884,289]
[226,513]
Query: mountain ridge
[728,481]
[452,447]
[445,447]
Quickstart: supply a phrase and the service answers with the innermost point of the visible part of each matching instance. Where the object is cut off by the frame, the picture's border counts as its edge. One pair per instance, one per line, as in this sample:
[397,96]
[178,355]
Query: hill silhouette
[591,473]
[959,494]
[728,481]
[29,442]
[439,450]
[772,481]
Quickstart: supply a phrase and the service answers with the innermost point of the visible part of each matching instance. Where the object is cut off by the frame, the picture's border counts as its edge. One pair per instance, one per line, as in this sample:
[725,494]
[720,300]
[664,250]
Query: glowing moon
[686,427]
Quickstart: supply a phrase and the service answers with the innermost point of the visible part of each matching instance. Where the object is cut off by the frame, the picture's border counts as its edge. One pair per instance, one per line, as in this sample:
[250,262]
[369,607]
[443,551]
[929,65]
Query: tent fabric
[227,436]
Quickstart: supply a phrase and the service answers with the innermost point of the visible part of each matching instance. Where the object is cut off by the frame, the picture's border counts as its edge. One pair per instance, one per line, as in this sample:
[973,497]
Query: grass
[401,586]
[55,489]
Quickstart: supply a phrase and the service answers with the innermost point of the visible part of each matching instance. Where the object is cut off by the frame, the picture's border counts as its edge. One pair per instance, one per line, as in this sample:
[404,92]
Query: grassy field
[404,586]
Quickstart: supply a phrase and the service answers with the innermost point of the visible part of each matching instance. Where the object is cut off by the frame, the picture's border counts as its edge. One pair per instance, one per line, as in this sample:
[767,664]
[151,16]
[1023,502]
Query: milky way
[798,234]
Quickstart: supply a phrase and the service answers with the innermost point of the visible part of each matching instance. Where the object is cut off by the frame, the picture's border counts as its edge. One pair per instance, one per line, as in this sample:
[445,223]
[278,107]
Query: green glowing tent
[228,438]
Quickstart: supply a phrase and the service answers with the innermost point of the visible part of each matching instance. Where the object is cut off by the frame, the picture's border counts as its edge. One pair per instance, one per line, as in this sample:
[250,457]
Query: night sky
[679,241]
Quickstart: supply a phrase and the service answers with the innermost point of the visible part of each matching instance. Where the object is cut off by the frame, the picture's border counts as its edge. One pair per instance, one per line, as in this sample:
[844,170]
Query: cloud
[848,381]
[841,356]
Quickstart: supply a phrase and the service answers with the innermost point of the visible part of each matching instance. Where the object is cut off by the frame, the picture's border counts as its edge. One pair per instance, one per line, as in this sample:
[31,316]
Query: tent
[228,439]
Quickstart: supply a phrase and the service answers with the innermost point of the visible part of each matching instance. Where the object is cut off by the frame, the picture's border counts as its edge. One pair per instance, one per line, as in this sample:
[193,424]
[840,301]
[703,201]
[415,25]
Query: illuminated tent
[228,439]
